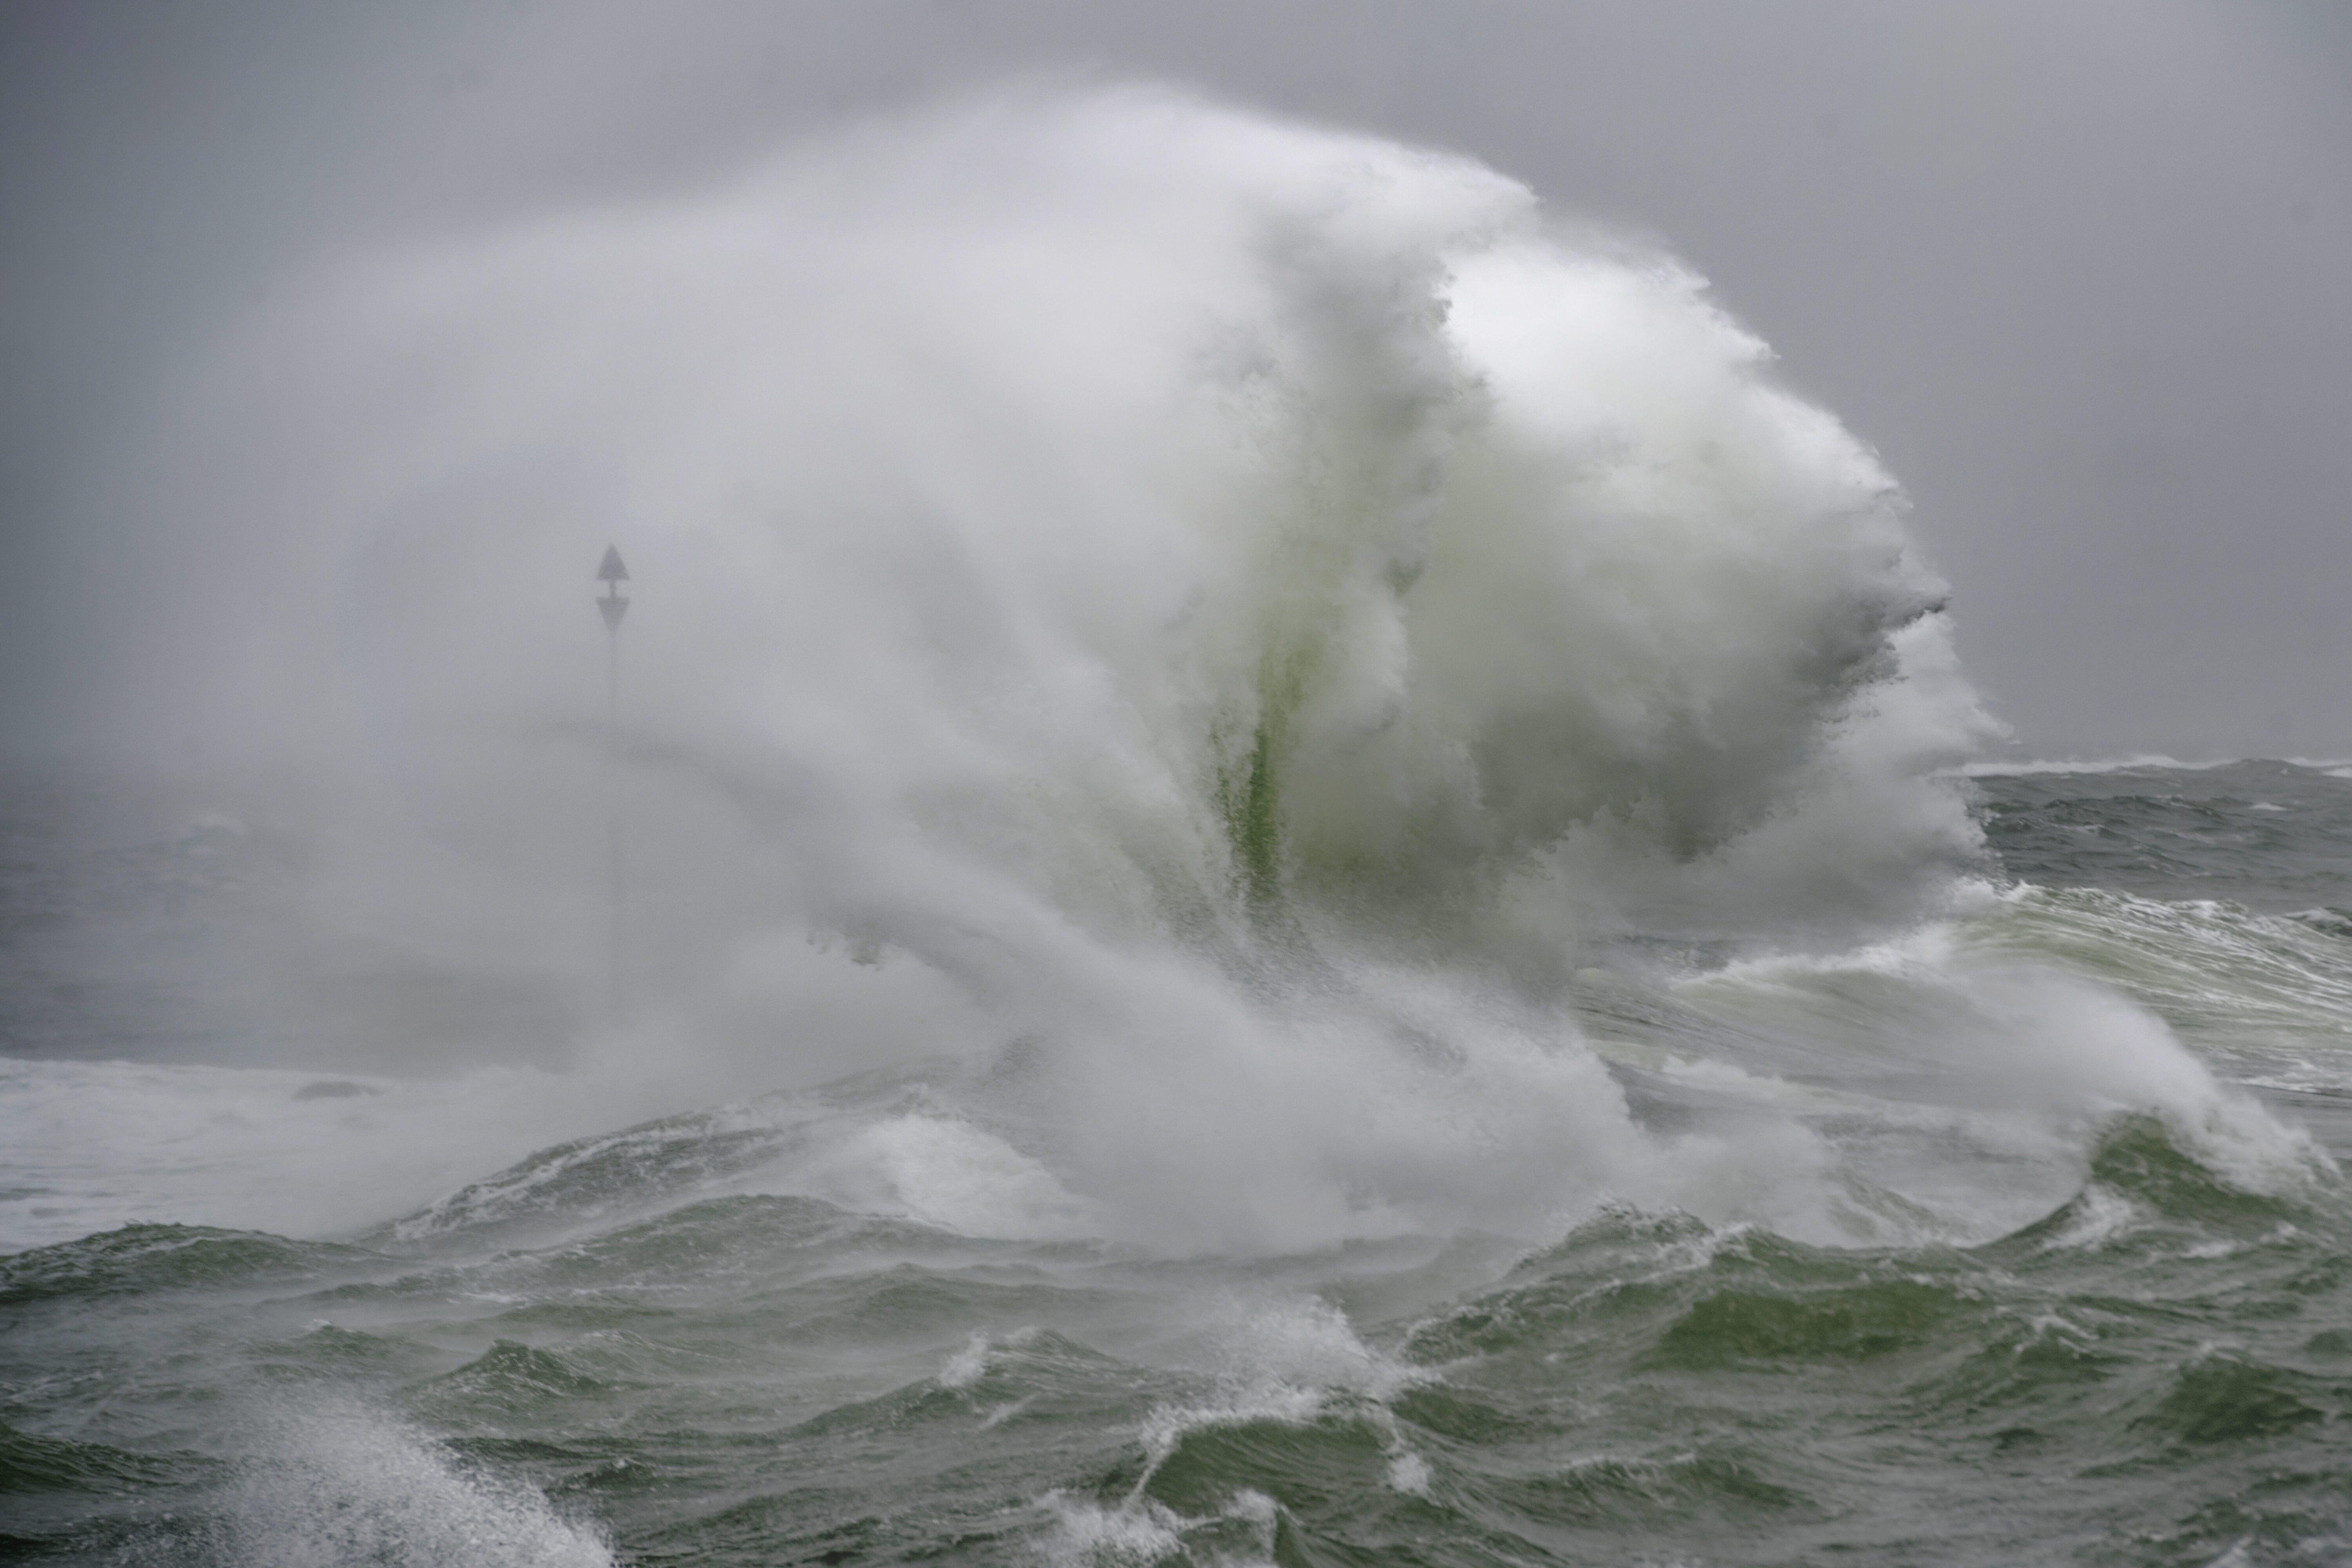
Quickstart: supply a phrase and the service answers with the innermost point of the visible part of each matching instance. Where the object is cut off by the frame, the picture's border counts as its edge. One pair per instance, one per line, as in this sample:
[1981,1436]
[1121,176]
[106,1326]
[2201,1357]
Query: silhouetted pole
[612,606]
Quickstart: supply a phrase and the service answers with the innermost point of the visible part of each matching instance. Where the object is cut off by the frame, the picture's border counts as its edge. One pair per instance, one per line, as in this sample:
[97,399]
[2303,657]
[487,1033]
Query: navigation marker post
[612,606]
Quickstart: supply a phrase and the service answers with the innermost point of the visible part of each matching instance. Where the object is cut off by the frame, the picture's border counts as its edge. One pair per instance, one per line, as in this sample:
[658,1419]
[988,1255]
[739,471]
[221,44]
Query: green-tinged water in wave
[2218,897]
[2158,1372]
[2124,1339]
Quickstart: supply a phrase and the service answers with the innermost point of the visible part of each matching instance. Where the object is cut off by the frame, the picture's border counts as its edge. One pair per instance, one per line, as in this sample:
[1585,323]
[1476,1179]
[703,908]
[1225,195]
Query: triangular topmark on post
[612,574]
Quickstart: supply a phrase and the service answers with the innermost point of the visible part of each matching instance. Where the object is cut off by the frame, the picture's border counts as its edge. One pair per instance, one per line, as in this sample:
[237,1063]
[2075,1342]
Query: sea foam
[1200,621]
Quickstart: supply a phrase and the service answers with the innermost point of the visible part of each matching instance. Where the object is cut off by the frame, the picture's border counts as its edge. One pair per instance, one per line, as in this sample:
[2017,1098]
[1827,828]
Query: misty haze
[1305,783]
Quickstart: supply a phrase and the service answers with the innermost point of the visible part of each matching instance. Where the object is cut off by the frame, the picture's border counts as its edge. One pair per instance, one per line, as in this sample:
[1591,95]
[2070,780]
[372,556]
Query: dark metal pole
[612,606]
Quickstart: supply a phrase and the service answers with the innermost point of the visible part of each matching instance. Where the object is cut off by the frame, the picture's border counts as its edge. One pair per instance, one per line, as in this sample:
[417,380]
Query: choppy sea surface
[2124,1339]
[1279,867]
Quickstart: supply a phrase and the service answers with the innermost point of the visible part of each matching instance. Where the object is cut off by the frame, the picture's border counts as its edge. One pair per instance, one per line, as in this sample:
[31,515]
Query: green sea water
[2125,1340]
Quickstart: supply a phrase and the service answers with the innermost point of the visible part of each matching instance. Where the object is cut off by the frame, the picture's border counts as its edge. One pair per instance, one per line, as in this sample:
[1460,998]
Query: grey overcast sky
[2078,269]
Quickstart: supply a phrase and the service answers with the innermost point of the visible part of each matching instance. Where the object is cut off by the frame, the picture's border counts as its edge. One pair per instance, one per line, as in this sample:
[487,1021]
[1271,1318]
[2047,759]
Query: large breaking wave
[1202,625]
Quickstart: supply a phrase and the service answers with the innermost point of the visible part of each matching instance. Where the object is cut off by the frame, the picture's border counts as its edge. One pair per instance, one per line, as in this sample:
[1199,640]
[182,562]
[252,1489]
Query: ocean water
[1304,880]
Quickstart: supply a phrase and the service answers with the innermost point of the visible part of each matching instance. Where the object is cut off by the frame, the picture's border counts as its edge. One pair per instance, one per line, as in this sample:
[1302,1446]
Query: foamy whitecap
[340,1484]
[1199,619]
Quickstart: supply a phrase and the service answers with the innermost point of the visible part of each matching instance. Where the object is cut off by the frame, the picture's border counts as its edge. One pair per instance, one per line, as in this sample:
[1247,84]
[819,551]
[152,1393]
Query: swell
[738,1376]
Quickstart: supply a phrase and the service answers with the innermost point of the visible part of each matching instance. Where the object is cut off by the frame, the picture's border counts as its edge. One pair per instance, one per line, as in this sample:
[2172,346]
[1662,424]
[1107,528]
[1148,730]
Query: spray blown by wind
[1206,623]
[1299,884]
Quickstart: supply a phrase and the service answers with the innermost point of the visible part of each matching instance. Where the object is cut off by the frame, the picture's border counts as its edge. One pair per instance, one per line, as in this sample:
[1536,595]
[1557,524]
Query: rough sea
[642,1346]
[1288,873]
